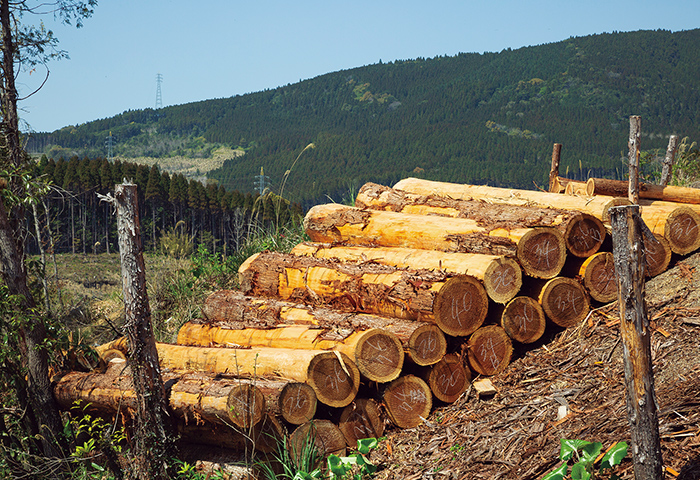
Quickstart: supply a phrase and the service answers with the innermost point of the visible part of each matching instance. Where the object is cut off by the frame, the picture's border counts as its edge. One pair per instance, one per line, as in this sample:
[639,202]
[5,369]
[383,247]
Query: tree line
[206,213]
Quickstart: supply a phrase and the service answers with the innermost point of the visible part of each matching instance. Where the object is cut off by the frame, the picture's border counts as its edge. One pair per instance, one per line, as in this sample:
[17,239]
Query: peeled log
[449,378]
[597,206]
[523,319]
[408,401]
[618,188]
[361,419]
[457,304]
[423,342]
[377,353]
[333,375]
[297,403]
[540,250]
[564,301]
[501,276]
[322,435]
[489,350]
[583,233]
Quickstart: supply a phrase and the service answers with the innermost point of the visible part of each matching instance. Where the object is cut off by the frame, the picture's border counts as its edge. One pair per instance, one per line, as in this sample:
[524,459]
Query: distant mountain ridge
[476,118]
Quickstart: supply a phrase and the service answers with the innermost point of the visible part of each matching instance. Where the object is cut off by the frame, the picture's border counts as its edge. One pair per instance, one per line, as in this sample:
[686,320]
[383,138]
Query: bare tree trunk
[669,159]
[634,152]
[42,252]
[154,426]
[642,414]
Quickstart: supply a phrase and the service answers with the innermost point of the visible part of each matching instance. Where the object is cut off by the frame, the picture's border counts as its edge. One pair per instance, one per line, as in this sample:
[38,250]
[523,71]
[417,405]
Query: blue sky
[220,48]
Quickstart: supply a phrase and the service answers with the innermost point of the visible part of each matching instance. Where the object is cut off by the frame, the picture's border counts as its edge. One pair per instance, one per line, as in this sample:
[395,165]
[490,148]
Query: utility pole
[159,97]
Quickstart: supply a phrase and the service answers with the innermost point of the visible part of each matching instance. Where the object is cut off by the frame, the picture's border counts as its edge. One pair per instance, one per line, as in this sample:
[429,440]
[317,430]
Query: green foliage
[292,465]
[584,455]
[175,242]
[187,471]
[355,466]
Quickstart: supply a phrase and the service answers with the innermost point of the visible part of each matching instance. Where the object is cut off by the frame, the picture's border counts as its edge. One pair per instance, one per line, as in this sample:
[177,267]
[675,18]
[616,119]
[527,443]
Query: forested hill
[477,118]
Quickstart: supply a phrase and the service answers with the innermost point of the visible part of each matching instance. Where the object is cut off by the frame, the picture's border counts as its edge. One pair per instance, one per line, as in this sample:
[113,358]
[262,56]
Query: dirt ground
[515,433]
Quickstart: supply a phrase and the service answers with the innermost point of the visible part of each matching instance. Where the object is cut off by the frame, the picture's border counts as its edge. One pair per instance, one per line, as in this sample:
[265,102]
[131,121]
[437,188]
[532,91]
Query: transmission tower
[159,97]
[109,143]
[261,181]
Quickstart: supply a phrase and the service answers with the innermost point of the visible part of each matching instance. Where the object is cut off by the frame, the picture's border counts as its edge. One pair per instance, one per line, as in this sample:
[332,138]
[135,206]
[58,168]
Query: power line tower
[261,181]
[159,97]
[109,143]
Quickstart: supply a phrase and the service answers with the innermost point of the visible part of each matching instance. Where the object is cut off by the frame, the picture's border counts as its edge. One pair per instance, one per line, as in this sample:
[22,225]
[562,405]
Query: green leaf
[590,452]
[366,444]
[579,472]
[557,474]
[568,447]
[338,466]
[614,455]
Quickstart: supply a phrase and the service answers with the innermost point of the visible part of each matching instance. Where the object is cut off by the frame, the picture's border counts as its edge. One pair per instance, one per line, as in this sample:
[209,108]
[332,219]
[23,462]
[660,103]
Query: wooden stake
[634,152]
[636,339]
[554,170]
[669,160]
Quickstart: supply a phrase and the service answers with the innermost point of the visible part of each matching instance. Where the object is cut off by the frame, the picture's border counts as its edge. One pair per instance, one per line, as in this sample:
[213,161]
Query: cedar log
[297,403]
[583,233]
[597,273]
[424,342]
[541,251]
[597,206]
[408,401]
[649,191]
[523,319]
[564,300]
[361,419]
[489,350]
[377,353]
[457,304]
[322,435]
[501,276]
[449,378]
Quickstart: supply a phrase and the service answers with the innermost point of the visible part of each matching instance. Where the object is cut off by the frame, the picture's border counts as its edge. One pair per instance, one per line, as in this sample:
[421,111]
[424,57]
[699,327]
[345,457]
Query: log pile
[393,307]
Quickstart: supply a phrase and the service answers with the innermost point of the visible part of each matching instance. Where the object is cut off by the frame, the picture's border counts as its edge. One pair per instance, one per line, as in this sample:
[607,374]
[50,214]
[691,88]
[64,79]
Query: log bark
[597,273]
[408,401]
[449,378]
[564,300]
[669,159]
[540,251]
[597,206]
[583,233]
[424,342]
[297,403]
[377,353]
[361,419]
[322,435]
[489,350]
[523,319]
[636,339]
[501,276]
[333,375]
[457,304]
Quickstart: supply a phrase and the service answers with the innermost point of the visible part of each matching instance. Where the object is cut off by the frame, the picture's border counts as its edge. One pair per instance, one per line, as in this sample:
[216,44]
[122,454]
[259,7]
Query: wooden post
[634,152]
[628,254]
[669,159]
[153,439]
[554,170]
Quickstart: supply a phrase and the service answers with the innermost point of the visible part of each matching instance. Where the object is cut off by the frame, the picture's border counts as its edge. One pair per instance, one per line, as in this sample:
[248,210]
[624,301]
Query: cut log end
[503,279]
[379,355]
[461,306]
[334,377]
[408,401]
[361,419]
[542,252]
[523,319]
[564,301]
[489,350]
[584,235]
[598,273]
[449,378]
[245,405]
[297,403]
[322,435]
[427,345]
[682,230]
[657,255]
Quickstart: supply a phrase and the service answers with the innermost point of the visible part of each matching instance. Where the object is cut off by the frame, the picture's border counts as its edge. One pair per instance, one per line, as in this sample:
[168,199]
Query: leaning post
[554,169]
[634,153]
[628,253]
[669,159]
